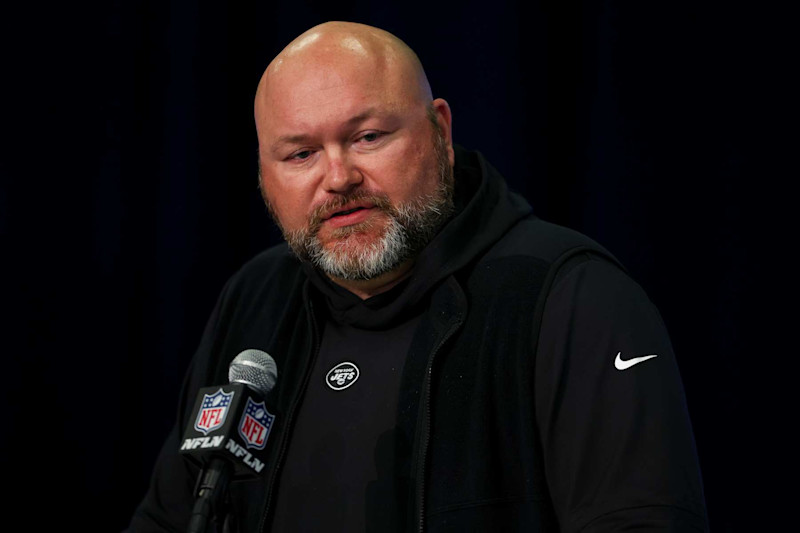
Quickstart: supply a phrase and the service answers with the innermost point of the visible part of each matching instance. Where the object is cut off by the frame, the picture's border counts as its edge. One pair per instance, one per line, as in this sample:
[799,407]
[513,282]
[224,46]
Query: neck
[370,287]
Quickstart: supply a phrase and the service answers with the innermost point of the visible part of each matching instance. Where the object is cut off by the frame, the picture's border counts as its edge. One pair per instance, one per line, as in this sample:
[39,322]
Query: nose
[341,174]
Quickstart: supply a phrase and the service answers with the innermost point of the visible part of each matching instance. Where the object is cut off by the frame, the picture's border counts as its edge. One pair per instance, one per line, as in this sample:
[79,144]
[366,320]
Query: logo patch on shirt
[342,376]
[256,424]
[621,364]
[213,411]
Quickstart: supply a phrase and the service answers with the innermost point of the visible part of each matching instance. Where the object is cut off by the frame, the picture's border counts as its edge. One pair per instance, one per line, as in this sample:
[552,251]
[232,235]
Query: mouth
[348,209]
[346,212]
[348,215]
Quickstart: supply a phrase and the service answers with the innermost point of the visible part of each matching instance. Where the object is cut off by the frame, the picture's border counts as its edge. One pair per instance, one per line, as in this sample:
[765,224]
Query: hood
[485,211]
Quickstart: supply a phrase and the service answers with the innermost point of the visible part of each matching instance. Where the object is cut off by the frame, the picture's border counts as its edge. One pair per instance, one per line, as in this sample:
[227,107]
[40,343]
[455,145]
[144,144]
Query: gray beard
[410,227]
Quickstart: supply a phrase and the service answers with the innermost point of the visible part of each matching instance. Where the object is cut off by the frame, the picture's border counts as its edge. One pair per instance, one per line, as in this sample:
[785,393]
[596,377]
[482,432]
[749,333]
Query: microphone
[228,434]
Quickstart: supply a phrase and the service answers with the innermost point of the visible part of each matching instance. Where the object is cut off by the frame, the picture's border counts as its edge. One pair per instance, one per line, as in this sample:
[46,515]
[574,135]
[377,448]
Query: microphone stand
[211,490]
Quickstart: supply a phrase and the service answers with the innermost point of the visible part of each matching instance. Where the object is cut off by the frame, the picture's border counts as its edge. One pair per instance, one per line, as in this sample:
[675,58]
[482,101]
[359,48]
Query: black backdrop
[662,130]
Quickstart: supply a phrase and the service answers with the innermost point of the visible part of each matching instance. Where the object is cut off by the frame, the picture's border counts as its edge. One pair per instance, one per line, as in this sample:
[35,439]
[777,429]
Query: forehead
[333,84]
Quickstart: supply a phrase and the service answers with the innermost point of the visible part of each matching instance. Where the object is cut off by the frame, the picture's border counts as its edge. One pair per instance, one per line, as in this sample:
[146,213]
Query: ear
[445,120]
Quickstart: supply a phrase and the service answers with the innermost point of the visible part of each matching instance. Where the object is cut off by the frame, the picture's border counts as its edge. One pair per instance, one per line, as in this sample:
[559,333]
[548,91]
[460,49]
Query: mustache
[321,212]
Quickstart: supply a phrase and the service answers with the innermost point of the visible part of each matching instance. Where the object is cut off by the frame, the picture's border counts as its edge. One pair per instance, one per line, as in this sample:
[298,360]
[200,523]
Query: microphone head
[255,369]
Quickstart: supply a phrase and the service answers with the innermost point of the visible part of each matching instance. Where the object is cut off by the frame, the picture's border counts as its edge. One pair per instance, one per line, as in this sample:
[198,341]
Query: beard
[353,252]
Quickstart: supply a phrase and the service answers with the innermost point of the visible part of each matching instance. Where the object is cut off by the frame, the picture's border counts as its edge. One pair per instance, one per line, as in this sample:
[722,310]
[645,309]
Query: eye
[370,137]
[302,155]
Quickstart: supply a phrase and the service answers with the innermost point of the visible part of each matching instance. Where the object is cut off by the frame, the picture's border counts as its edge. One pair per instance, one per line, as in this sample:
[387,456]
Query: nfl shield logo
[212,411]
[255,425]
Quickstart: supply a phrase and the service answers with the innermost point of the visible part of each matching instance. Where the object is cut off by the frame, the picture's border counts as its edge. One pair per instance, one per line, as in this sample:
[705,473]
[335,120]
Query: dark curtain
[663,130]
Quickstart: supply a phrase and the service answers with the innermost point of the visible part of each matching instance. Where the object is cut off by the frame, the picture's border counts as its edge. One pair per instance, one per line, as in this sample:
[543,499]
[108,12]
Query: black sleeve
[168,502]
[618,446]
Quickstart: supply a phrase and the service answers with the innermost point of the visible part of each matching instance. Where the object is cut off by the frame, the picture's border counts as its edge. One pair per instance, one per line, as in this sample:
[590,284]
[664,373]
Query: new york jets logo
[342,376]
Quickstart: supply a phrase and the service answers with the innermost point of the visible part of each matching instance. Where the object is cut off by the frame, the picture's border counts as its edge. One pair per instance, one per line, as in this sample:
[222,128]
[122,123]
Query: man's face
[353,167]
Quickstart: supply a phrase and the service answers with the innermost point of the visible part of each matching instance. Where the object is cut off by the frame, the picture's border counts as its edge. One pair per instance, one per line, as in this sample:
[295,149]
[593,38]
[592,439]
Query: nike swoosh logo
[619,364]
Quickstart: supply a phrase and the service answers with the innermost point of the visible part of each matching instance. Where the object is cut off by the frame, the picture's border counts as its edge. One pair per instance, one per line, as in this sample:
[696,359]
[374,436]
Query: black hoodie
[512,402]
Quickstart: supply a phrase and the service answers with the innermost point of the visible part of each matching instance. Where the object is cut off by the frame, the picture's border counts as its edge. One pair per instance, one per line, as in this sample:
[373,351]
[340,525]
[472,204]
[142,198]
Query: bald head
[331,54]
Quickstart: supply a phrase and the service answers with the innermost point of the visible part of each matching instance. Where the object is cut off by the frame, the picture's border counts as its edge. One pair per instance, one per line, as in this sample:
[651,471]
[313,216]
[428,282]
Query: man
[447,361]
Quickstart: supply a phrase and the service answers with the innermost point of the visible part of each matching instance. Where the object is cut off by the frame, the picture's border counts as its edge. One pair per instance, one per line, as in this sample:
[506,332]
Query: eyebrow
[302,138]
[288,139]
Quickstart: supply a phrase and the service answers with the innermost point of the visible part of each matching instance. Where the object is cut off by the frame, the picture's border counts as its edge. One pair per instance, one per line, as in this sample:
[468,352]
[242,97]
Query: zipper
[426,432]
[290,415]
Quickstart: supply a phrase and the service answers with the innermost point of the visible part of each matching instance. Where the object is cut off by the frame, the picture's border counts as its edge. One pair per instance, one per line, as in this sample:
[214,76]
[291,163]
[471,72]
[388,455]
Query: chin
[353,239]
